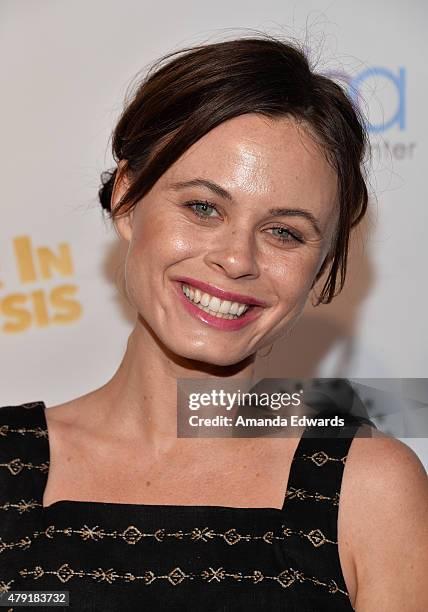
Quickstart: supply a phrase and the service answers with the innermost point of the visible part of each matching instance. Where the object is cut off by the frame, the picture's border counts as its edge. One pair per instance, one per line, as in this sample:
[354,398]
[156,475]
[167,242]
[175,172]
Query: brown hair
[198,88]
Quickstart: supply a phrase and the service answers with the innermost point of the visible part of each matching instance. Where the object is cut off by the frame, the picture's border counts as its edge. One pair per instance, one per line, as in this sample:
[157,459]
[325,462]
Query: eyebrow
[223,193]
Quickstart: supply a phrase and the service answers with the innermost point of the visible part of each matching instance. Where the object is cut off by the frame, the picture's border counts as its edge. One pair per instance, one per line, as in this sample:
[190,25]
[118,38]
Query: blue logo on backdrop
[394,116]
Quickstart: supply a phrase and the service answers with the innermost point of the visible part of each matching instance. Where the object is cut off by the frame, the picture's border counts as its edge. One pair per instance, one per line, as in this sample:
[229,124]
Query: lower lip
[219,323]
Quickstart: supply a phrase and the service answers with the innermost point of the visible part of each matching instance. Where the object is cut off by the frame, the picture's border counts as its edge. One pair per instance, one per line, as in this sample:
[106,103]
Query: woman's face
[261,231]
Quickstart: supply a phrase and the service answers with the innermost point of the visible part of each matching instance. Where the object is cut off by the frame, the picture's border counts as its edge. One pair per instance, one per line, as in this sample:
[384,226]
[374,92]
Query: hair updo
[189,92]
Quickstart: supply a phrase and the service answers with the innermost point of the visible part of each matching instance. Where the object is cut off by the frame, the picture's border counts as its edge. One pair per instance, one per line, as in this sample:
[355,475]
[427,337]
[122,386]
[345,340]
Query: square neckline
[61,503]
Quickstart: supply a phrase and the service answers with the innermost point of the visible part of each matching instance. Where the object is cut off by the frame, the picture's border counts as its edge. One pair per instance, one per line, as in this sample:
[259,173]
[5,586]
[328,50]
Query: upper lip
[221,293]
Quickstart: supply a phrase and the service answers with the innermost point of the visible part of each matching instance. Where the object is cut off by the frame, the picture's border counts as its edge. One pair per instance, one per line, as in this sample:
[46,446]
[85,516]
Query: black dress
[114,556]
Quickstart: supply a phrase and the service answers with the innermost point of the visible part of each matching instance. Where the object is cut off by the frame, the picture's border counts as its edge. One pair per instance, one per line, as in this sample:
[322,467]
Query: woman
[239,178]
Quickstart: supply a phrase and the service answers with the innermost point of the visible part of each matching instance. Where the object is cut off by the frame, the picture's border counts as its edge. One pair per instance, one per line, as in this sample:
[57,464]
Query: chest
[241,477]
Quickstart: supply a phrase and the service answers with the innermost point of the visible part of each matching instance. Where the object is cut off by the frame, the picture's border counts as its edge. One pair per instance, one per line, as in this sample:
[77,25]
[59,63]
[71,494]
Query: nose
[234,253]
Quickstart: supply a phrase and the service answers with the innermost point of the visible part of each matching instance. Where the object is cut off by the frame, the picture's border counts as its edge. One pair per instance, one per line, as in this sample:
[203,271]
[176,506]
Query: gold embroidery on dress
[15,466]
[5,586]
[37,431]
[132,535]
[176,576]
[22,505]
[301,494]
[320,458]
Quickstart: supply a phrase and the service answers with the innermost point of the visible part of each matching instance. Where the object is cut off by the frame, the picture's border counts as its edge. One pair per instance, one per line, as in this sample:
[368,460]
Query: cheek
[293,278]
[157,244]
[159,235]
[293,281]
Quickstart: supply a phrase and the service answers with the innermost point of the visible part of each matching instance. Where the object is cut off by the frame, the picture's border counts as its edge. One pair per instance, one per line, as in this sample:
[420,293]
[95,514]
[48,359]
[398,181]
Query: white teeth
[213,305]
[240,309]
[234,308]
[205,299]
[225,307]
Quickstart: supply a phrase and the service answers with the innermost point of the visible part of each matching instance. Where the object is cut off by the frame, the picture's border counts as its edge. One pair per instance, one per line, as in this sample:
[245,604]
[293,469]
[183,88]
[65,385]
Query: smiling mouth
[211,304]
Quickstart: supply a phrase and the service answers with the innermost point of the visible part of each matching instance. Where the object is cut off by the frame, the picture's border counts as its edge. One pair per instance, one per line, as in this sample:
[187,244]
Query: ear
[123,223]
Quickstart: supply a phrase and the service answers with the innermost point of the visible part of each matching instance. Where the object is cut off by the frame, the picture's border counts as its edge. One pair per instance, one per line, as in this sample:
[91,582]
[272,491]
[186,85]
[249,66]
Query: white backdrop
[65,68]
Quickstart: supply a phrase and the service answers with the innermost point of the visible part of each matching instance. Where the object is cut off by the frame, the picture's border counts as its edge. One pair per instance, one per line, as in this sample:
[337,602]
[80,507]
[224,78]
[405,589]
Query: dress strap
[317,467]
[311,505]
[24,454]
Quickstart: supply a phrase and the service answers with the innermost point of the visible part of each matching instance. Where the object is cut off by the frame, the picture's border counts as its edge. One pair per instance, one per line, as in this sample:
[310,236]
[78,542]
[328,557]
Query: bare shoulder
[378,460]
[71,422]
[75,411]
[383,456]
[384,507]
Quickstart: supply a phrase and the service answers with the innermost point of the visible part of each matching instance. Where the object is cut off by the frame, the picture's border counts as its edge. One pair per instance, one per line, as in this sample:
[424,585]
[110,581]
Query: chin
[209,357]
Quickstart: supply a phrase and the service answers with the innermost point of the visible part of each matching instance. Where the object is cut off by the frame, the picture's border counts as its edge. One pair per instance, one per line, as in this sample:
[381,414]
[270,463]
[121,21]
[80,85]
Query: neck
[139,403]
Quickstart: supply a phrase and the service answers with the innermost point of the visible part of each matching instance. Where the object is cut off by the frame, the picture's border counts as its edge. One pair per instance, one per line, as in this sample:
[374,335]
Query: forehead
[261,158]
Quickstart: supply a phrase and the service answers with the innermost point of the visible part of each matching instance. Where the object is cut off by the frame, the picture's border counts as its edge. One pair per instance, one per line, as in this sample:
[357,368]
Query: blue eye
[202,203]
[288,236]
